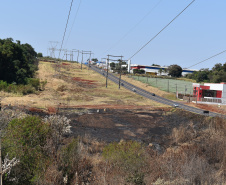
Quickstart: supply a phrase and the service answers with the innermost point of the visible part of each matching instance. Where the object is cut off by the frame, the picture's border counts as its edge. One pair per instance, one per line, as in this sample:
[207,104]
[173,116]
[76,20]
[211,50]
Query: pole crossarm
[114,56]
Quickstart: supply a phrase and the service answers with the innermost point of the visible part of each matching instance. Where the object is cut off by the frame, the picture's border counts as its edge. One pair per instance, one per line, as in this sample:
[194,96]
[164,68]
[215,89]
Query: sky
[121,27]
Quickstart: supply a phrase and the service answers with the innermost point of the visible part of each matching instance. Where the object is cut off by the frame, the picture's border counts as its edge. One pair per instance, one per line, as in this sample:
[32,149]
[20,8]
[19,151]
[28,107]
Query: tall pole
[89,60]
[77,55]
[120,63]
[66,54]
[82,60]
[72,56]
[107,72]
[168,85]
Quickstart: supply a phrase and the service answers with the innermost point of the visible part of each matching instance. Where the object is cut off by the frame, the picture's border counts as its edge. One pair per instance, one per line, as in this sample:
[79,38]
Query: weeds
[32,86]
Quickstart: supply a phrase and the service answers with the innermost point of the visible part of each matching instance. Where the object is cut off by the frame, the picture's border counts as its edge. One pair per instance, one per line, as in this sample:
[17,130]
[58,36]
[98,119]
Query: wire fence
[168,85]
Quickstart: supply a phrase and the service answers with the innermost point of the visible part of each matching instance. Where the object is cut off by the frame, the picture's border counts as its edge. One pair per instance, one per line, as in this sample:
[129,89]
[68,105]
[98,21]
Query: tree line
[17,61]
[215,75]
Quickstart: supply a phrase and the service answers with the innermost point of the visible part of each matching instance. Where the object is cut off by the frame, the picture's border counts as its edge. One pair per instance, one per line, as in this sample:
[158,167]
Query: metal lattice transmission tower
[52,48]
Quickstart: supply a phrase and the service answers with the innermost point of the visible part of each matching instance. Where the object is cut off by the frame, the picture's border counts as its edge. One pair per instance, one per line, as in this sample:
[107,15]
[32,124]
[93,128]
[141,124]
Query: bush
[128,158]
[34,82]
[3,85]
[25,139]
[33,85]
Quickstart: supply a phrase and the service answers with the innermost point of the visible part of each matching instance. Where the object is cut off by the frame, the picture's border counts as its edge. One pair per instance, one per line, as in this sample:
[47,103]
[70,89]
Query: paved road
[151,96]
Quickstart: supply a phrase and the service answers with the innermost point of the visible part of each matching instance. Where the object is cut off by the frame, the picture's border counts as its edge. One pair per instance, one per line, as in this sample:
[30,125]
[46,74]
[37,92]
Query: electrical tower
[52,48]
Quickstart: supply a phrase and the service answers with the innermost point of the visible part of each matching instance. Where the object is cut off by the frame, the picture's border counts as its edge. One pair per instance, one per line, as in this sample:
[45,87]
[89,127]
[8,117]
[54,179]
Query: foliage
[94,59]
[70,158]
[32,85]
[17,61]
[112,65]
[76,168]
[117,67]
[39,55]
[138,71]
[155,64]
[25,139]
[128,158]
[216,75]
[59,126]
[175,70]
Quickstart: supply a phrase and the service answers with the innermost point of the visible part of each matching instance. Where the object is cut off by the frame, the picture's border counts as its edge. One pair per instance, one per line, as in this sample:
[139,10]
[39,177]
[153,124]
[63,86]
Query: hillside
[73,87]
[113,137]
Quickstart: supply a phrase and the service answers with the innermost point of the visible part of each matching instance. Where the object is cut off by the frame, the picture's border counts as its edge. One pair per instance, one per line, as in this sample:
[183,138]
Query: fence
[213,100]
[169,85]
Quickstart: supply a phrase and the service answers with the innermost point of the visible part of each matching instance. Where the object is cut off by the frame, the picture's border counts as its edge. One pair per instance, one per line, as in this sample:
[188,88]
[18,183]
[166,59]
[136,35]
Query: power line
[74,20]
[124,36]
[207,59]
[65,28]
[161,30]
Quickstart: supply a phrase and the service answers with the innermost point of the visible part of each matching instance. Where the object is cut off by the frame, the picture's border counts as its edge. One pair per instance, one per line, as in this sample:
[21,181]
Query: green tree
[39,55]
[175,70]
[217,67]
[155,65]
[202,75]
[94,59]
[138,71]
[112,65]
[17,61]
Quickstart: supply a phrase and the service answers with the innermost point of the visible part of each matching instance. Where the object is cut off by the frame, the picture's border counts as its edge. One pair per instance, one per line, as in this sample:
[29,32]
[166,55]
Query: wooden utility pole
[168,85]
[120,71]
[107,72]
[82,60]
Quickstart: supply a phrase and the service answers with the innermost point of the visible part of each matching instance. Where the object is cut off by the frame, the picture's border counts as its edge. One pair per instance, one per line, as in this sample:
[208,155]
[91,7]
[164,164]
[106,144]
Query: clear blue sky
[196,35]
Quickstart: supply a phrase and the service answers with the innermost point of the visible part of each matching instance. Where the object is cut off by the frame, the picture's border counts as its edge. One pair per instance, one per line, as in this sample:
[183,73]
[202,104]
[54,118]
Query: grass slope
[75,87]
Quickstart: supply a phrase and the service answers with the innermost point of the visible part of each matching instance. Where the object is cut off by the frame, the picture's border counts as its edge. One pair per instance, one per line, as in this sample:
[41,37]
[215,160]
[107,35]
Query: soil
[113,125]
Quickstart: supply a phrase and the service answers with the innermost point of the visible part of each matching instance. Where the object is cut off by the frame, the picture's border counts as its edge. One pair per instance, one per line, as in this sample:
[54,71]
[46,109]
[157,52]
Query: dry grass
[87,88]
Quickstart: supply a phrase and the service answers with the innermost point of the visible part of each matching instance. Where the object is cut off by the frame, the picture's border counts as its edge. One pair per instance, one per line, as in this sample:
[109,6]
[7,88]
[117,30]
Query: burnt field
[111,125]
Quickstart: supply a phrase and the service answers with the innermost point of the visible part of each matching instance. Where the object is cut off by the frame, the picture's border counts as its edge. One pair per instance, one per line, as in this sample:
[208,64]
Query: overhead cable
[74,20]
[207,59]
[65,28]
[124,36]
[161,30]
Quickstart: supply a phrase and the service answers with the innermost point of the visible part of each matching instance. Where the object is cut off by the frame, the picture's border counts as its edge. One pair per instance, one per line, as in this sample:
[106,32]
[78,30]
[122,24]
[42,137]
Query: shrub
[70,159]
[128,158]
[32,86]
[3,85]
[34,82]
[25,139]
[62,88]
